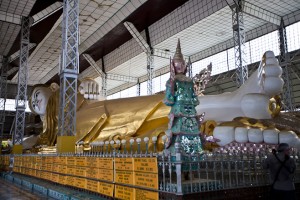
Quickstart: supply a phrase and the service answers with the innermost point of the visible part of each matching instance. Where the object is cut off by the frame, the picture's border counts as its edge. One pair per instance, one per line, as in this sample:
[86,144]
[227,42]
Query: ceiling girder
[261,13]
[94,64]
[16,55]
[10,18]
[137,36]
[16,19]
[109,76]
[46,12]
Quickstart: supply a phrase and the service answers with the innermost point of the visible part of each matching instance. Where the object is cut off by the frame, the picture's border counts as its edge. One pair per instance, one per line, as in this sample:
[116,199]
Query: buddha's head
[39,98]
[178,61]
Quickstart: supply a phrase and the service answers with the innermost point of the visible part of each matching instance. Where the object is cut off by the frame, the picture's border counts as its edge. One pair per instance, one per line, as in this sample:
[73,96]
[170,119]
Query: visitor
[282,169]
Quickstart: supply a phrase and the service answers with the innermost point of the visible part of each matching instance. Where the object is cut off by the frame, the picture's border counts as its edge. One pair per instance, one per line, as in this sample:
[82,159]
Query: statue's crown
[178,55]
[178,61]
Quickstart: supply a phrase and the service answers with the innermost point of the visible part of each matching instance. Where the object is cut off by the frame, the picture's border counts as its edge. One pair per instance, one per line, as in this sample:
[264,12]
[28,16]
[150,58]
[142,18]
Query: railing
[229,167]
[215,172]
[185,174]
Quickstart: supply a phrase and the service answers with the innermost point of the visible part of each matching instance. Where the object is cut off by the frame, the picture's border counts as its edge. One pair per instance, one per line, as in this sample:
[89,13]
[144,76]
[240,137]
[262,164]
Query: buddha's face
[39,99]
[179,65]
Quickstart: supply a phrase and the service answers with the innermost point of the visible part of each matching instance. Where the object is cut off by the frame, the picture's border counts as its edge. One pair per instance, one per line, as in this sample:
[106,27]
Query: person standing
[282,168]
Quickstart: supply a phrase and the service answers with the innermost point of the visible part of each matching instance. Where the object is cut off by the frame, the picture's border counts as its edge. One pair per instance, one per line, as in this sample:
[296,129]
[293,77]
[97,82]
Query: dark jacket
[286,174]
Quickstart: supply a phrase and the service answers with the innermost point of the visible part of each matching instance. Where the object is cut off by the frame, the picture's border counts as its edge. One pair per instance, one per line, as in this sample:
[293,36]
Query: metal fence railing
[175,173]
[215,171]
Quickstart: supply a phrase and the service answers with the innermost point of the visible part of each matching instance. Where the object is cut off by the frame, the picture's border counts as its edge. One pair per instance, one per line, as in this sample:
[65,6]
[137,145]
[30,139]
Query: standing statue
[184,122]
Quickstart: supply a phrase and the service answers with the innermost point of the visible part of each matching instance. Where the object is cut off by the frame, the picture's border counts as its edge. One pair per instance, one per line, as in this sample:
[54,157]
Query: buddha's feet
[243,135]
[252,99]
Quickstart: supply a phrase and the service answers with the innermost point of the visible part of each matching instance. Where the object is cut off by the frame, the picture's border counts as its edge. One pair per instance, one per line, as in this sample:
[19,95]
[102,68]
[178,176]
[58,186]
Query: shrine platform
[141,176]
[25,187]
[10,191]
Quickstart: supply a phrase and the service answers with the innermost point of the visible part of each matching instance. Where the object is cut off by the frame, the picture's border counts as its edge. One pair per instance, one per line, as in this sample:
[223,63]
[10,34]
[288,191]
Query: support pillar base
[17,149]
[66,144]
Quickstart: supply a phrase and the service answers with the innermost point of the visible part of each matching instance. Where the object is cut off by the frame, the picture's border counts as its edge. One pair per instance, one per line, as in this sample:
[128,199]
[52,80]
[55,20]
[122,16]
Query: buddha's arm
[122,118]
[90,121]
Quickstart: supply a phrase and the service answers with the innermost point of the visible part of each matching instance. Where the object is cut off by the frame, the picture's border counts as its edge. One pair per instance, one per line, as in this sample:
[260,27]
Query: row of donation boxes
[114,177]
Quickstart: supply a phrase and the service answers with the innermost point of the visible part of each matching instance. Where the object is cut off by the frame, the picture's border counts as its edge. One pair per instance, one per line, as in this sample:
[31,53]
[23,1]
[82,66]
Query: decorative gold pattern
[275,106]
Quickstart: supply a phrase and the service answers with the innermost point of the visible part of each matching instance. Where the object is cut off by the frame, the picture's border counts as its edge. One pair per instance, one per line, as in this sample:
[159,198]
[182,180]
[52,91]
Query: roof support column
[104,81]
[3,94]
[190,68]
[150,73]
[138,88]
[150,64]
[284,61]
[22,86]
[239,42]
[69,68]
[146,46]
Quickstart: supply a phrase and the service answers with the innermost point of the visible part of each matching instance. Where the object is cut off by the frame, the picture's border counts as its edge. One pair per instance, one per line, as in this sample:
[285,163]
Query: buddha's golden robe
[111,119]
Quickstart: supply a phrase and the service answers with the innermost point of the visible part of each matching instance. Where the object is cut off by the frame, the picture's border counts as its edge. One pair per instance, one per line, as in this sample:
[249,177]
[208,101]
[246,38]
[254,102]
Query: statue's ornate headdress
[178,55]
[177,65]
[178,60]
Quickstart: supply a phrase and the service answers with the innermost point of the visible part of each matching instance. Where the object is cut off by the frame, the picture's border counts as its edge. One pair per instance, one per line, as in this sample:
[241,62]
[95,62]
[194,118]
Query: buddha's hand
[89,89]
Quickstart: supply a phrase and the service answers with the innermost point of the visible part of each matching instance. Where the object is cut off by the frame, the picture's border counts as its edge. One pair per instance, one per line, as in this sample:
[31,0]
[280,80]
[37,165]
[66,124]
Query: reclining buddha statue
[228,116]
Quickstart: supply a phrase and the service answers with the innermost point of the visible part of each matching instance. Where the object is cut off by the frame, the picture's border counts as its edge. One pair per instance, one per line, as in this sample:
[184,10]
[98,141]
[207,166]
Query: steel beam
[284,61]
[109,76]
[146,46]
[16,55]
[69,69]
[118,77]
[296,72]
[165,54]
[137,36]
[12,70]
[104,86]
[10,18]
[98,69]
[22,82]
[47,12]
[104,81]
[113,21]
[92,62]
[261,13]
[150,73]
[36,19]
[239,42]
[16,19]
[138,88]
[190,68]
[3,95]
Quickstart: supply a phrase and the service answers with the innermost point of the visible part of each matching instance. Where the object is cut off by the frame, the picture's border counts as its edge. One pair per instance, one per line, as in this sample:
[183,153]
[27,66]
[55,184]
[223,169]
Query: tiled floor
[9,191]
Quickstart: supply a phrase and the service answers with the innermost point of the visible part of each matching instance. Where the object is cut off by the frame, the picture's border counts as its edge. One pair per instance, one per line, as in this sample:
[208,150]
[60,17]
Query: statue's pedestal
[66,144]
[17,149]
